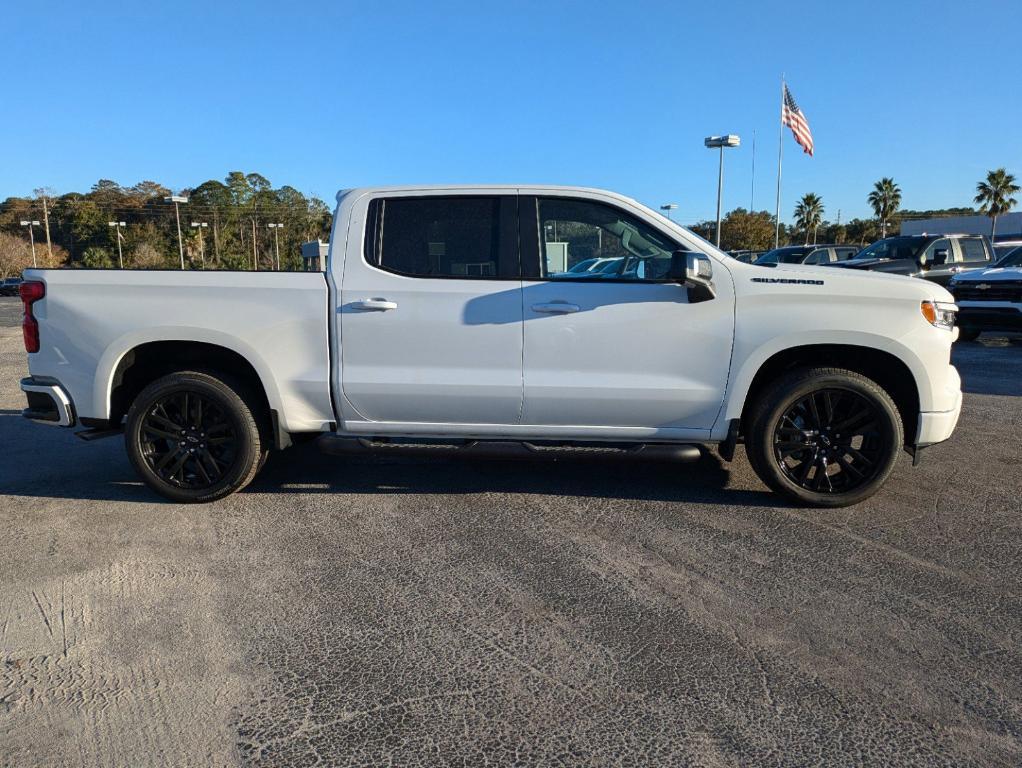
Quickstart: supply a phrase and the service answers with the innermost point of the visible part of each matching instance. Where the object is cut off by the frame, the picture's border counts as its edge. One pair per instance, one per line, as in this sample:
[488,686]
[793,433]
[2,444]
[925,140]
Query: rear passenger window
[444,237]
[822,256]
[843,254]
[973,250]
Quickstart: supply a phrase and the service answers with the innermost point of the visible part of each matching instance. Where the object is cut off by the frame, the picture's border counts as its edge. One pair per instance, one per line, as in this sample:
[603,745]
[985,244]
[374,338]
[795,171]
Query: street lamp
[176,199]
[720,142]
[276,243]
[202,244]
[118,225]
[669,207]
[31,237]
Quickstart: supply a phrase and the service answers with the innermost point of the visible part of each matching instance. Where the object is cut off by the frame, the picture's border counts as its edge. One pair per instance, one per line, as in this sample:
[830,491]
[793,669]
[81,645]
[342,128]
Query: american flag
[795,118]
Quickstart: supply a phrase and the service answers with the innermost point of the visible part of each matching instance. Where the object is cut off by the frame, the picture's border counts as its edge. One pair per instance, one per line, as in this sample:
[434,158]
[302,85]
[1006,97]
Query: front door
[431,311]
[612,343]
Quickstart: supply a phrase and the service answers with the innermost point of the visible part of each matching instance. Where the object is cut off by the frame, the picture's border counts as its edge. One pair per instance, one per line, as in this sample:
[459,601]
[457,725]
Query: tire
[824,417]
[192,437]
[968,334]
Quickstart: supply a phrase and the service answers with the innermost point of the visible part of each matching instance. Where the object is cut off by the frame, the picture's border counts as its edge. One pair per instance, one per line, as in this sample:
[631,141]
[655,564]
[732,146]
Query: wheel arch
[127,368]
[900,376]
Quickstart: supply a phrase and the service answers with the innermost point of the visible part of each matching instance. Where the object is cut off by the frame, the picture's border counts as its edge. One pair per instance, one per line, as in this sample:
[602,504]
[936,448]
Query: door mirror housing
[695,272]
[940,256]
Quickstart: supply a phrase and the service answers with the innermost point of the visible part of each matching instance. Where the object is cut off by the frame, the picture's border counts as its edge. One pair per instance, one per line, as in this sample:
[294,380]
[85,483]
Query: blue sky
[619,95]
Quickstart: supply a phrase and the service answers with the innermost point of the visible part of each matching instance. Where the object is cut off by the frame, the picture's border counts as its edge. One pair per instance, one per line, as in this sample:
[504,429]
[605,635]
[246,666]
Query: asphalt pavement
[435,612]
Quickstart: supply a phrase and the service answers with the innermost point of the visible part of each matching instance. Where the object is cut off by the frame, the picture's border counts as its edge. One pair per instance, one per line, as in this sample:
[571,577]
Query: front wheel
[192,437]
[825,437]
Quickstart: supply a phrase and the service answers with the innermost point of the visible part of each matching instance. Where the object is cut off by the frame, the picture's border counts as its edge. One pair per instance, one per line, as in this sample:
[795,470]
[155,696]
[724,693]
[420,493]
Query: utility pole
[202,243]
[175,199]
[255,259]
[31,238]
[42,193]
[117,225]
[276,241]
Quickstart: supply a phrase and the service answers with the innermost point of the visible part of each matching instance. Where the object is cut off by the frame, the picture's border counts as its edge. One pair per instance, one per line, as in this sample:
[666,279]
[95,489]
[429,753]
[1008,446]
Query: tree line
[223,225]
[742,229]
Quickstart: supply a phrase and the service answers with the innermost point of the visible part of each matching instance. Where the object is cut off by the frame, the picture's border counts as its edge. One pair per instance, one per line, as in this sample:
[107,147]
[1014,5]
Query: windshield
[1013,259]
[782,256]
[894,248]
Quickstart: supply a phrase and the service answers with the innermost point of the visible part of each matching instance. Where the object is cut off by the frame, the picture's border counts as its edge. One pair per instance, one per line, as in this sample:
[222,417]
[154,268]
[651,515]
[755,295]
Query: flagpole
[780,156]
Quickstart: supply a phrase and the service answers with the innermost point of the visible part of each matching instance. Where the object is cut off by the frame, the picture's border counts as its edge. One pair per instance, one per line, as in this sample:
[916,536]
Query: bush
[147,256]
[97,258]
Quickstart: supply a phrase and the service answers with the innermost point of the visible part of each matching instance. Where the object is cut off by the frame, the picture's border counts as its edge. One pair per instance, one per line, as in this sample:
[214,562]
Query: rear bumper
[48,402]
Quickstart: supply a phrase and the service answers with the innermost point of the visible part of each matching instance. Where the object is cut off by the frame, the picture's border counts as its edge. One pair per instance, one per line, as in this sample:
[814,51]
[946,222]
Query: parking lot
[422,612]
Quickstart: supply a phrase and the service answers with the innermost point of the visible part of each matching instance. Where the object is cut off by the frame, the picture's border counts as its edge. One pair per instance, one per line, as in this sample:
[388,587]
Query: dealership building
[1009,226]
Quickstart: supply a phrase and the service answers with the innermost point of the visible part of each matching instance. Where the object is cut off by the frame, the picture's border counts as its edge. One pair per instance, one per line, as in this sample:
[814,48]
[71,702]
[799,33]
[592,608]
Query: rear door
[623,348]
[431,311]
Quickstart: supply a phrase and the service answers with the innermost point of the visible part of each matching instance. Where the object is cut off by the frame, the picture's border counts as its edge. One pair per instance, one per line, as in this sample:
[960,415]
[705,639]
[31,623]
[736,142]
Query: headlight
[939,314]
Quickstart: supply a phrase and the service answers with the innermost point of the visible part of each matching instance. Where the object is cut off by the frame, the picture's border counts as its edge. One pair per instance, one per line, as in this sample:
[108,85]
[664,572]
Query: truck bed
[90,319]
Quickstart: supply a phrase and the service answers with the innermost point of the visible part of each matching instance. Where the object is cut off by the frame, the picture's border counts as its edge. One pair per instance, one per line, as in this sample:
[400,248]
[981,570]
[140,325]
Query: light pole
[118,225]
[202,244]
[276,243]
[31,237]
[669,207]
[176,199]
[720,142]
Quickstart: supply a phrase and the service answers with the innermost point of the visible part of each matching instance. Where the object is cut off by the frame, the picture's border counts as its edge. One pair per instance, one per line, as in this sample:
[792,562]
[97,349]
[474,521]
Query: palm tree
[885,200]
[995,196]
[809,214]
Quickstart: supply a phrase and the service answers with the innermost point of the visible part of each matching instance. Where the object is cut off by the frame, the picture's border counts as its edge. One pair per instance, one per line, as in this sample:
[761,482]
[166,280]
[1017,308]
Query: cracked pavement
[437,612]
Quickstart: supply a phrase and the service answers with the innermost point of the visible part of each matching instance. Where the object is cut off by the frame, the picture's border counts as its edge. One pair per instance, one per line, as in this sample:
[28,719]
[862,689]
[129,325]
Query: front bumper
[48,402]
[937,426]
[991,316]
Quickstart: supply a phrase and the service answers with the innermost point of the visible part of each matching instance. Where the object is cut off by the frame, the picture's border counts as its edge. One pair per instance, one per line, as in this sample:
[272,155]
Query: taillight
[31,291]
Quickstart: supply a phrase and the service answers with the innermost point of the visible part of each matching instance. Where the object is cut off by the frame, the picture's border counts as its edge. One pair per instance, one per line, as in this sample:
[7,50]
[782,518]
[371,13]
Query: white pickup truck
[539,319]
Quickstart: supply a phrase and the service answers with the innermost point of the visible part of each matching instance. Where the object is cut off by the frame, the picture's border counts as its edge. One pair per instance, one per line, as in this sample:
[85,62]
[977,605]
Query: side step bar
[337,445]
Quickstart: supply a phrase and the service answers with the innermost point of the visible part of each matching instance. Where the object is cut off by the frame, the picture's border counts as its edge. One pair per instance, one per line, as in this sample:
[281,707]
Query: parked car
[990,299]
[1003,247]
[807,254]
[10,285]
[436,324]
[934,257]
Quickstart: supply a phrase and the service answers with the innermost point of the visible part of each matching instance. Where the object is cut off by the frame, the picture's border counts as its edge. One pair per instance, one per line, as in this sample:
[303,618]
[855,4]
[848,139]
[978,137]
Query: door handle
[374,305]
[556,308]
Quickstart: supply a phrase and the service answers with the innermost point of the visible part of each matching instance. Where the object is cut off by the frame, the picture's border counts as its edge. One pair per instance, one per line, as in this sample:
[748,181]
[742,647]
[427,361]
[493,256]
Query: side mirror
[695,272]
[940,256]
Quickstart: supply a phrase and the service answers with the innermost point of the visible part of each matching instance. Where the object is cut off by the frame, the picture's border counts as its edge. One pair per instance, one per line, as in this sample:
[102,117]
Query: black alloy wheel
[829,441]
[192,436]
[824,437]
[188,440]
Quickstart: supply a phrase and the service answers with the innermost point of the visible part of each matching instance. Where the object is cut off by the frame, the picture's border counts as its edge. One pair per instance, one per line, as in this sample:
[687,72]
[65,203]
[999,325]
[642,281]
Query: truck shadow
[51,463]
[305,470]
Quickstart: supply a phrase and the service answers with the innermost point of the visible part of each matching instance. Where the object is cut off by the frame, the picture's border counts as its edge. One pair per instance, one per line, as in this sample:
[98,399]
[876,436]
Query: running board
[336,445]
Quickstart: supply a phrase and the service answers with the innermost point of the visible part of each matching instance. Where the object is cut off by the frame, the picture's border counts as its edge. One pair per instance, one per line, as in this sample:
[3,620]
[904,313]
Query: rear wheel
[824,437]
[192,437]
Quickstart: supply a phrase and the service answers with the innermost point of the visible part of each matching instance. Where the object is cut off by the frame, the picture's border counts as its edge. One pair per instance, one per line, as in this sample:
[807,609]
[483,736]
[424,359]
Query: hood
[991,274]
[848,281]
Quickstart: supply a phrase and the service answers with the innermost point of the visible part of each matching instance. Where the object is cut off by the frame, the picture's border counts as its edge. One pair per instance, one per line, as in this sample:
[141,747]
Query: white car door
[621,348]
[430,311]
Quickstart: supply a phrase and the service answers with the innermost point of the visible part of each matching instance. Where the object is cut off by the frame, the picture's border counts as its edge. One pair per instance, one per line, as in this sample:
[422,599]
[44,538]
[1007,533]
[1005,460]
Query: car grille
[1005,290]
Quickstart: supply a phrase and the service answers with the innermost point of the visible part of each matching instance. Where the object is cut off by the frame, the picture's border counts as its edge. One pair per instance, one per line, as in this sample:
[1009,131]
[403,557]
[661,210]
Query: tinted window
[845,253]
[1012,259]
[782,256]
[821,256]
[973,250]
[572,232]
[459,237]
[936,259]
[894,248]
